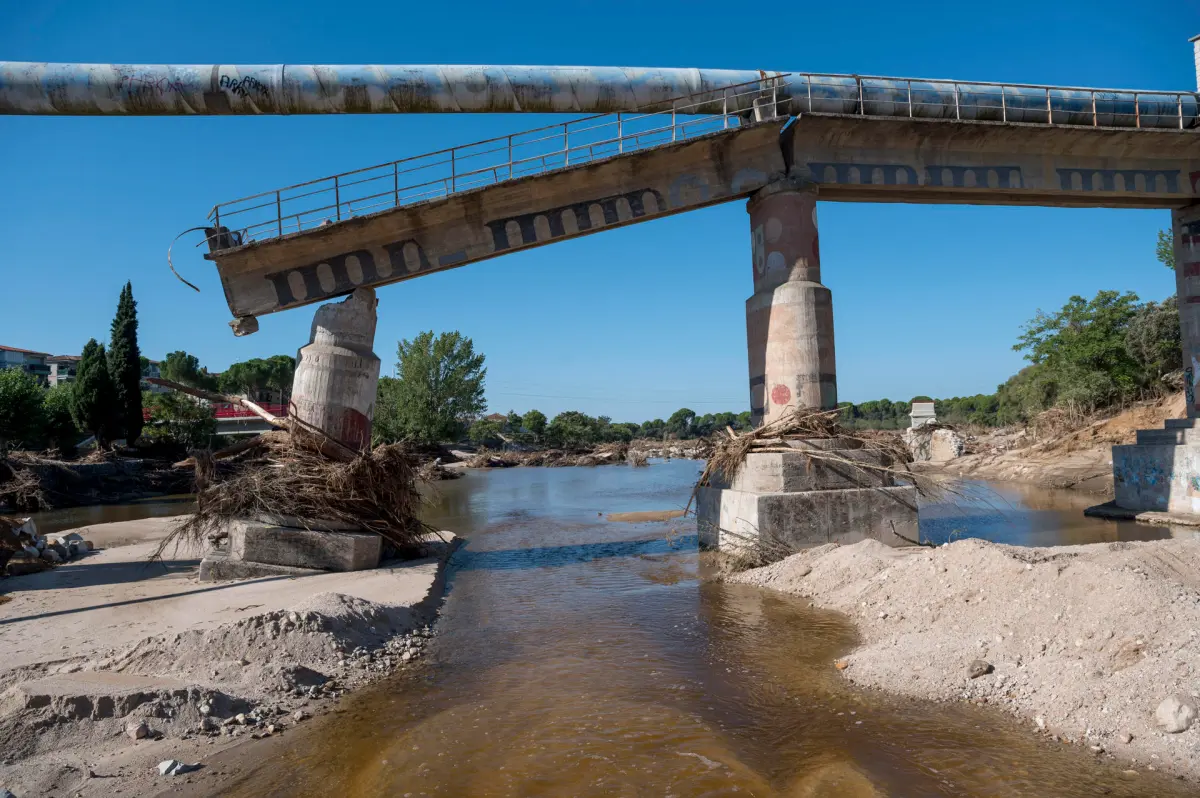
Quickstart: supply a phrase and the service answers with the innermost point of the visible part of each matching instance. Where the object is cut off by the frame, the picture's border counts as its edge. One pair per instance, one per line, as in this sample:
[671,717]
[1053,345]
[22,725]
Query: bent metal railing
[435,175]
[439,174]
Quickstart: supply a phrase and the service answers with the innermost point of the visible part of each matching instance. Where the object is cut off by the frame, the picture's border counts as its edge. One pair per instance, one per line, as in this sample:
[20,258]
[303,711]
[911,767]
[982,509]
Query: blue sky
[631,323]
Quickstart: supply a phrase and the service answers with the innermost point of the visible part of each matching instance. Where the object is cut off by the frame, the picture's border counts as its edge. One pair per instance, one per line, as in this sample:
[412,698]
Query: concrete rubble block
[731,519]
[252,541]
[780,472]
[218,567]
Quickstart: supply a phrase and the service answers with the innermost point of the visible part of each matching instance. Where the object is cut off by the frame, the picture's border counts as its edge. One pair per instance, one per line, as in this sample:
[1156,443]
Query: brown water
[581,657]
[52,521]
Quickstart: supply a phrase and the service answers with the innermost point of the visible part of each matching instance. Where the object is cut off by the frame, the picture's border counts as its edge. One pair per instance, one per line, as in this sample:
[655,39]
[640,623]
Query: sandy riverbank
[1083,642]
[99,645]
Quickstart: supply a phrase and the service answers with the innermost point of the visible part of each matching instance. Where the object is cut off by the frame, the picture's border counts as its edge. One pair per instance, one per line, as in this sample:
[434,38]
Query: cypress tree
[93,402]
[125,367]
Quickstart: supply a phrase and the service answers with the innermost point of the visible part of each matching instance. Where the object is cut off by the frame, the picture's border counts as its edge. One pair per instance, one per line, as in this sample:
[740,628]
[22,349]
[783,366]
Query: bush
[485,433]
[21,419]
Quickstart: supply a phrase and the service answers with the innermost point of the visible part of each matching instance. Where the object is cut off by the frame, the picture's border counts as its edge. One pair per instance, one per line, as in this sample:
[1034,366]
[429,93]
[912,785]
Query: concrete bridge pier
[782,501]
[789,319]
[334,391]
[1160,472]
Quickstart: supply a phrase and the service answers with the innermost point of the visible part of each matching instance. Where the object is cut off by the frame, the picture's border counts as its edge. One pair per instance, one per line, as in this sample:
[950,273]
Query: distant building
[499,418]
[26,360]
[62,368]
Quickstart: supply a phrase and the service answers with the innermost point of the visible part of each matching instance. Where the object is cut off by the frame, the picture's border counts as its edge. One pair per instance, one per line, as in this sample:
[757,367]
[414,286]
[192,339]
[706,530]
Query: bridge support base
[780,502]
[1161,471]
[337,373]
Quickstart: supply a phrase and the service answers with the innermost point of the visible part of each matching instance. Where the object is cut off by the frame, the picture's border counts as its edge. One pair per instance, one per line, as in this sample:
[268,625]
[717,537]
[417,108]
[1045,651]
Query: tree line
[1089,355]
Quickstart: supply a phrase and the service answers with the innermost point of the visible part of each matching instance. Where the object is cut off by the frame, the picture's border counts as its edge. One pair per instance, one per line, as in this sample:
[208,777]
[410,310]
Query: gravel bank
[1082,642]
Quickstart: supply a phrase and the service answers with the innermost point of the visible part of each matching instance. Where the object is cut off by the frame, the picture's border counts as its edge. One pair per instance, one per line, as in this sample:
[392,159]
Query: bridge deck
[401,220]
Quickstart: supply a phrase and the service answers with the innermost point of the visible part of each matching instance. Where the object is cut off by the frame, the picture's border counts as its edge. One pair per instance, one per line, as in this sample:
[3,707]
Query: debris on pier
[792,433]
[299,472]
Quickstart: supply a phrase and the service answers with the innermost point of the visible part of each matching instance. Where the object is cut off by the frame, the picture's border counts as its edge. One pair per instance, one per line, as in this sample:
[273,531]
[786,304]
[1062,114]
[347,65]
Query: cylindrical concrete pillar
[789,320]
[337,373]
[1186,229]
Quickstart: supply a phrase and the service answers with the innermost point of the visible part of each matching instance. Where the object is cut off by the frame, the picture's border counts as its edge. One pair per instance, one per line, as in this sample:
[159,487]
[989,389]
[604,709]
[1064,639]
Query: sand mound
[57,717]
[1083,641]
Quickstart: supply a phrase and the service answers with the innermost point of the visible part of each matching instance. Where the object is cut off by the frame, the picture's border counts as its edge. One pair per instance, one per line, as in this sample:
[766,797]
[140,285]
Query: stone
[1175,714]
[251,541]
[23,563]
[173,767]
[299,715]
[1127,738]
[6,793]
[137,730]
[52,556]
[205,709]
[62,550]
[240,719]
[979,668]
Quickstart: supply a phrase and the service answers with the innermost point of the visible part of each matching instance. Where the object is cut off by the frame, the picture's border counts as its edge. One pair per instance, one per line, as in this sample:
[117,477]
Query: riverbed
[578,656]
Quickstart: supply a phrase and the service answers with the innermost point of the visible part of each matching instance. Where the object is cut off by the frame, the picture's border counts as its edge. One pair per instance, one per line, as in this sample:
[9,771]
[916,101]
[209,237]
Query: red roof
[24,351]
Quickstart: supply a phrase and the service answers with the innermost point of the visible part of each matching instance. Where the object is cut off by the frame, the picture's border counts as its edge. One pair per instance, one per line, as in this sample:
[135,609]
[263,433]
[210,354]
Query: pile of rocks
[28,552]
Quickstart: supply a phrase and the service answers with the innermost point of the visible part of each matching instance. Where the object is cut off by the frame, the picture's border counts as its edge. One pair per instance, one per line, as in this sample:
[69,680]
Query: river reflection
[581,657]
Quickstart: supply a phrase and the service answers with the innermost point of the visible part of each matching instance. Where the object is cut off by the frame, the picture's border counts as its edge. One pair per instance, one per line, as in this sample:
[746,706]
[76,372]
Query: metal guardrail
[309,205]
[305,206]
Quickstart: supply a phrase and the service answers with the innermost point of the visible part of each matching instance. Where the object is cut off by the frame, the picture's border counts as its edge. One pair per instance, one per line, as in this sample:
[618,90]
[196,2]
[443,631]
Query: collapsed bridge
[661,142]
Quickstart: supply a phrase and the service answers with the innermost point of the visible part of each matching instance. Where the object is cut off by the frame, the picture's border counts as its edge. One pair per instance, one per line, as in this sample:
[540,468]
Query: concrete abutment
[1160,471]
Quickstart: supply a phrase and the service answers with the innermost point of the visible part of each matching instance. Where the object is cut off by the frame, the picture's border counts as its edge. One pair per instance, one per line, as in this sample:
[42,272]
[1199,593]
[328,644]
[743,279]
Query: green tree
[535,422]
[61,431]
[1164,250]
[1082,349]
[183,368]
[514,421]
[680,423]
[439,388]
[743,420]
[572,430]
[655,428]
[21,398]
[1152,340]
[485,433]
[93,404]
[179,421]
[125,367]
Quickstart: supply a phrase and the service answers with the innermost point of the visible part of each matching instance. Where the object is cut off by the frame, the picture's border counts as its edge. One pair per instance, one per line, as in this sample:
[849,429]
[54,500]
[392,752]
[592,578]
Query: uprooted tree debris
[796,432]
[298,471]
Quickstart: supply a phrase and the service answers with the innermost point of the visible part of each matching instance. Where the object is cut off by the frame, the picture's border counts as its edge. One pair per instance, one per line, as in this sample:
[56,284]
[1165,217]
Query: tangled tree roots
[291,473]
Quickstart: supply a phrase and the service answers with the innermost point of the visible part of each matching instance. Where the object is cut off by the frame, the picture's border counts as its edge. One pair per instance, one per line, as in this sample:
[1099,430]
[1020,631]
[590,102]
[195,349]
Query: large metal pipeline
[152,90]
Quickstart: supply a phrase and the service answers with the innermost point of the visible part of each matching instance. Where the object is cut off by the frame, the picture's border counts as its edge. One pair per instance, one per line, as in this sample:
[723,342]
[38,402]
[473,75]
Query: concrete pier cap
[789,319]
[337,373]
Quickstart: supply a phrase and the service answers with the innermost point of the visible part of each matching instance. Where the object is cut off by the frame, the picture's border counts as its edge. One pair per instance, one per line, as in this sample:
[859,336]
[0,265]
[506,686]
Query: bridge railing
[439,174]
[309,205]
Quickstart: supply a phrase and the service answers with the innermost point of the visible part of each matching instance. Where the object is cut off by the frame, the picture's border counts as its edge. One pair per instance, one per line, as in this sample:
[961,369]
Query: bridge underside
[848,158]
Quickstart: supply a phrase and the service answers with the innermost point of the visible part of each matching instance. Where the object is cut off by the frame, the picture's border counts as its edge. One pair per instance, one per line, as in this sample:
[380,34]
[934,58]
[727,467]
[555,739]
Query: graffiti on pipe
[1157,181]
[578,217]
[1189,385]
[243,87]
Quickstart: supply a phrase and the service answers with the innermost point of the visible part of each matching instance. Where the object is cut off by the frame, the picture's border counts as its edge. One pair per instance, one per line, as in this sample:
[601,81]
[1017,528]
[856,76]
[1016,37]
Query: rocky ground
[113,667]
[1068,454]
[1094,644]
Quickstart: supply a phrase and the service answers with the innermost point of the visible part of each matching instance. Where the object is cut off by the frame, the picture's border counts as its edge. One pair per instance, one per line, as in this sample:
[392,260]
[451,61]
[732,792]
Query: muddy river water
[581,657]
